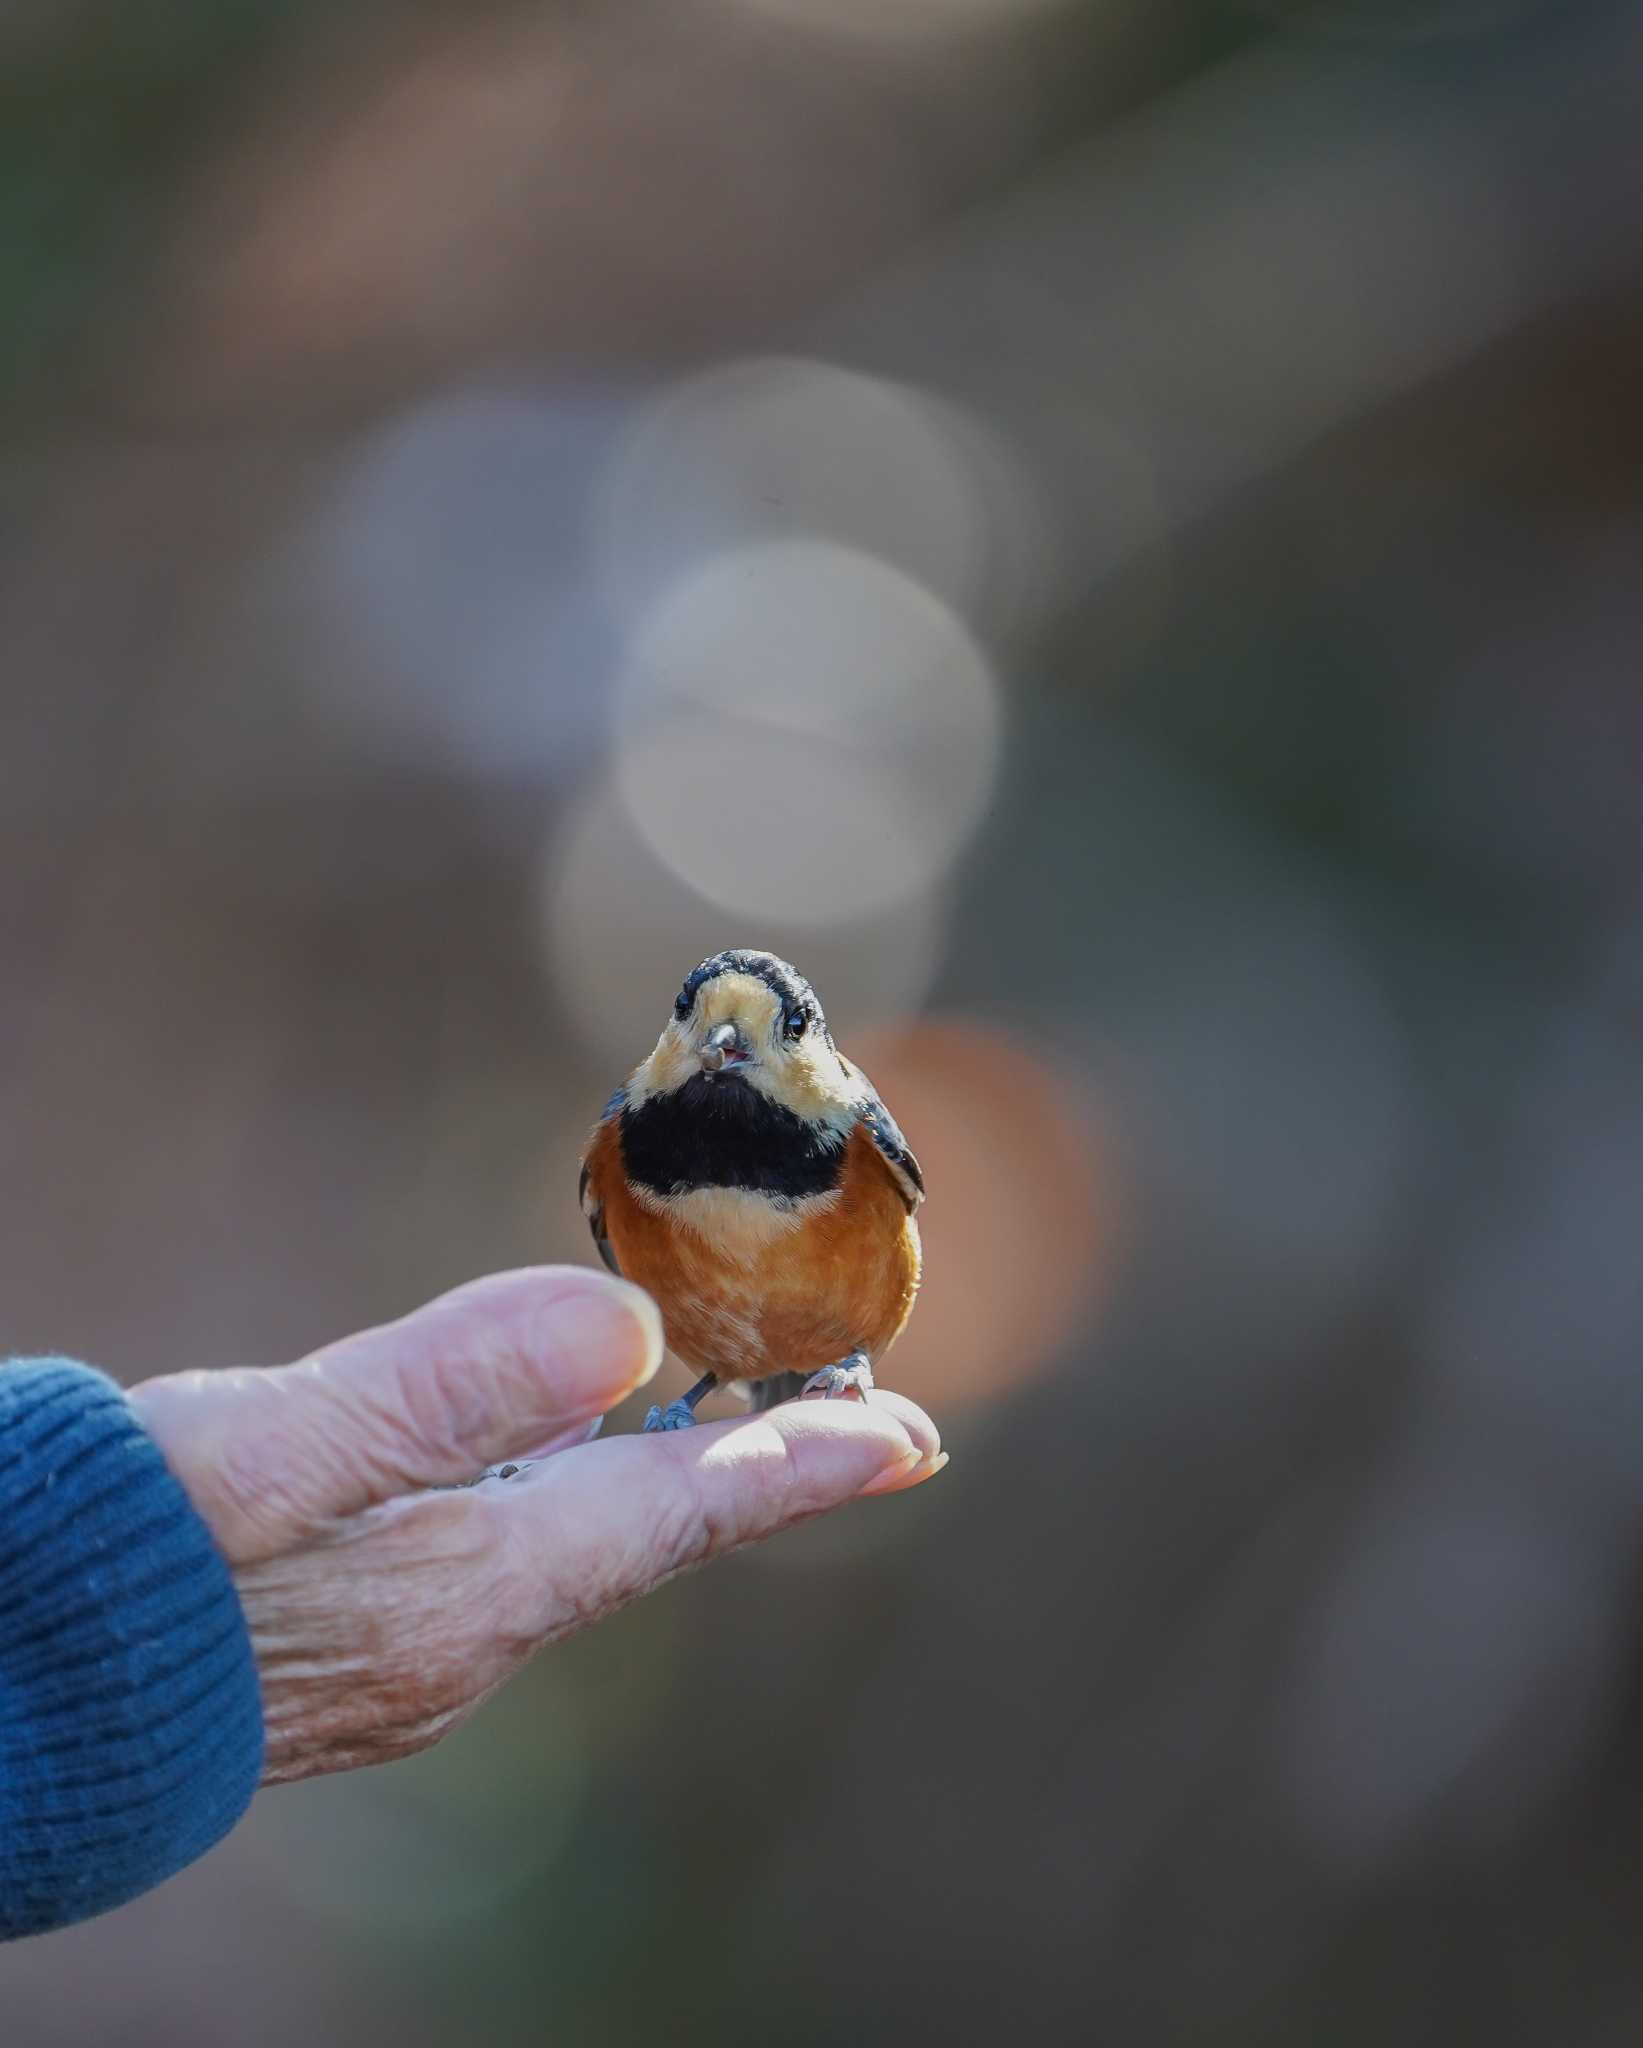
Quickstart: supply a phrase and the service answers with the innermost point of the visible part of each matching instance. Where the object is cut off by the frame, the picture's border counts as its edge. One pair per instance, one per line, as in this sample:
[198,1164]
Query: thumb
[268,1455]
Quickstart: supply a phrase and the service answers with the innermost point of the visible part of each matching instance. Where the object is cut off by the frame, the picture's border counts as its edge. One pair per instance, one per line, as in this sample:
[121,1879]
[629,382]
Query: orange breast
[744,1299]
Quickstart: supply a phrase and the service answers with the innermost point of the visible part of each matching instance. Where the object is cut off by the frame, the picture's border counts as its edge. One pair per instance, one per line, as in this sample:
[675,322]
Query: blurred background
[1109,532]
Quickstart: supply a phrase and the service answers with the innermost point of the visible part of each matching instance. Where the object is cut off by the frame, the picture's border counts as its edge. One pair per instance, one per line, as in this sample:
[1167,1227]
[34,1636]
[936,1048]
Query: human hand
[382,1614]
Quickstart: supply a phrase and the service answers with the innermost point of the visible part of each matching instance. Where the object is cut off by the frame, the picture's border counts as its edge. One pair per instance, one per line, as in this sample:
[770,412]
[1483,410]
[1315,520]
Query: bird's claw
[676,1415]
[851,1378]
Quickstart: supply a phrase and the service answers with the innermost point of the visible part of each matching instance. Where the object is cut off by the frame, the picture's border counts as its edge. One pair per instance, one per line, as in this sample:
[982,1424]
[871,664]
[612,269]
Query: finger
[596,1528]
[911,1417]
[478,1376]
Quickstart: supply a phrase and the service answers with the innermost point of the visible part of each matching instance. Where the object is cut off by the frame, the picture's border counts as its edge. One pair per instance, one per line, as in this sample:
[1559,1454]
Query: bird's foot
[852,1377]
[681,1414]
[676,1415]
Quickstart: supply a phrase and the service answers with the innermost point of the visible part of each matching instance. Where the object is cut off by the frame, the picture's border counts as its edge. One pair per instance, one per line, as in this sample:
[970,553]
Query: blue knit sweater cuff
[130,1721]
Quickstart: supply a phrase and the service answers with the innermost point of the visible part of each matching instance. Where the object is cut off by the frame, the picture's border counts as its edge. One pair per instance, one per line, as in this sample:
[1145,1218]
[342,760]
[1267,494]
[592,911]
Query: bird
[749,1177]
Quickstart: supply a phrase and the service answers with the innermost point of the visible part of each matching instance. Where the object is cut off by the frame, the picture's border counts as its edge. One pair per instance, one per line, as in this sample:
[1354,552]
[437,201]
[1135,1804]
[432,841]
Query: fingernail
[610,1323]
[913,1470]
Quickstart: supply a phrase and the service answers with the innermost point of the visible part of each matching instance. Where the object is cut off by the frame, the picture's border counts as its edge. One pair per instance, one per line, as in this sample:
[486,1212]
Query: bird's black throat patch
[717,1132]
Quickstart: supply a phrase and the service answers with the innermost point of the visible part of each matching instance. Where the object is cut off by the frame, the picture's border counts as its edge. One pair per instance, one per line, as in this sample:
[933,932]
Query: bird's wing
[885,1132]
[592,1208]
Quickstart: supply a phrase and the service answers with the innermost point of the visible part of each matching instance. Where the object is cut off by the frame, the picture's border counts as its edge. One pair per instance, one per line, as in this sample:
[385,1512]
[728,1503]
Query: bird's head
[747,1020]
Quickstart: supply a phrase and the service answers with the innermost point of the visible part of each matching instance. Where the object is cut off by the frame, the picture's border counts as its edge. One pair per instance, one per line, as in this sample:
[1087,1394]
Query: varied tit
[748,1177]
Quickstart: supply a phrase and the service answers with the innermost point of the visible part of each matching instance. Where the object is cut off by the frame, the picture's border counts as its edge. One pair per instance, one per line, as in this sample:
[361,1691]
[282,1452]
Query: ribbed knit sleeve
[130,1723]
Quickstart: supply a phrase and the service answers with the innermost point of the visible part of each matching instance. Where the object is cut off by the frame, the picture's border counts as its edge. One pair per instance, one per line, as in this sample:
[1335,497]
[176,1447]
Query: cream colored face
[804,1074]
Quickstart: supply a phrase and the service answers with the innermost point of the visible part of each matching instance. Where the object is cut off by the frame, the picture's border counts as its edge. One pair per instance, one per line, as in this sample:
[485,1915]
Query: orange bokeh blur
[1021,1226]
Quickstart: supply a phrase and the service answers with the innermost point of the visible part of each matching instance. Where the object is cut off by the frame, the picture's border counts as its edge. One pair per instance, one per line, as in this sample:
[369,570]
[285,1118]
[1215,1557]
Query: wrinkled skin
[382,1613]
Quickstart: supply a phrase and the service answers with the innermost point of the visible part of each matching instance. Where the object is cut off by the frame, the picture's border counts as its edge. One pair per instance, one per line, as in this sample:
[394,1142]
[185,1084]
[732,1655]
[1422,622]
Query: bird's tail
[781,1386]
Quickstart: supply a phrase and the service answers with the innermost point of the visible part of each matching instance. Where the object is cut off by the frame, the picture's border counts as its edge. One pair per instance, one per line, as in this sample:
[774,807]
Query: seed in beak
[722,1047]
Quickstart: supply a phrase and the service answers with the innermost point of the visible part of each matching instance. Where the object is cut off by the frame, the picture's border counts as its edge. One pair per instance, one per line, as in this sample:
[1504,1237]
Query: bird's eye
[682,1005]
[796,1023]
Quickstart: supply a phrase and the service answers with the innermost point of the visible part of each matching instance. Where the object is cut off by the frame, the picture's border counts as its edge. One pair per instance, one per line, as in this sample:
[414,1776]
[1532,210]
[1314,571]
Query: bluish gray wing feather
[592,1209]
[886,1134]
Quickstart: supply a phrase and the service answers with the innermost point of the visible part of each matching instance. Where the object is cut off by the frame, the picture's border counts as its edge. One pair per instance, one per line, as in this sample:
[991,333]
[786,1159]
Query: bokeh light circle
[805,732]
[774,447]
[449,558]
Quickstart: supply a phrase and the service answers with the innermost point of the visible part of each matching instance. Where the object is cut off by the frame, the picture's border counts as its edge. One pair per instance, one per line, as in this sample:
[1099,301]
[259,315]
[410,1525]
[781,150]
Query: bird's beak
[723,1047]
